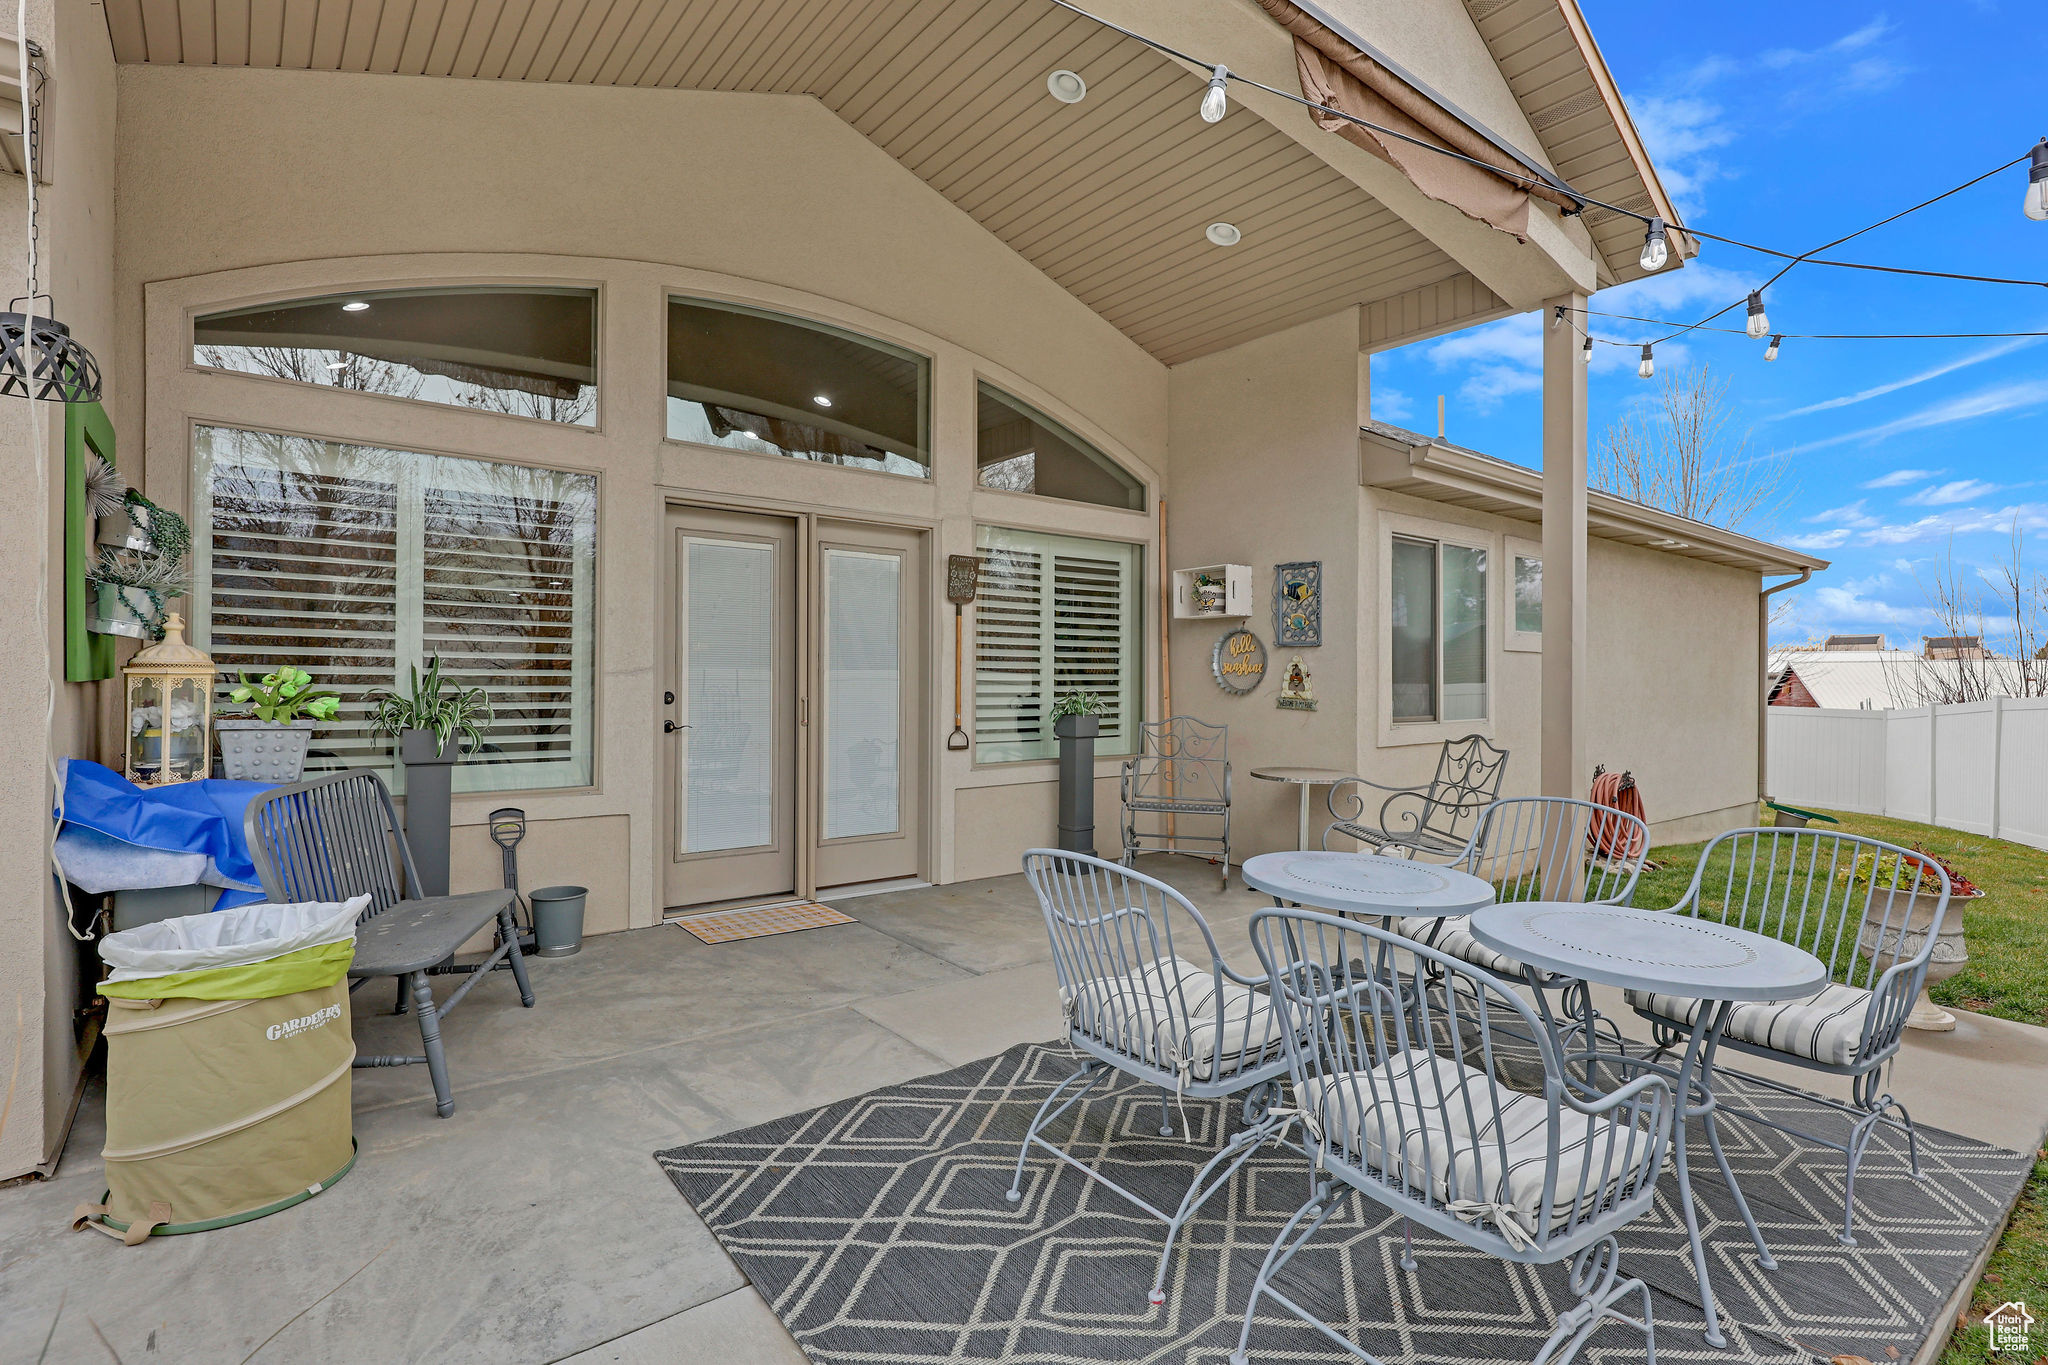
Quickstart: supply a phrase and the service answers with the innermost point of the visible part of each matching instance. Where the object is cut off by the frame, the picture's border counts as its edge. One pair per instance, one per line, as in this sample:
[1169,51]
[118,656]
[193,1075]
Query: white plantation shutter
[358,563]
[1053,615]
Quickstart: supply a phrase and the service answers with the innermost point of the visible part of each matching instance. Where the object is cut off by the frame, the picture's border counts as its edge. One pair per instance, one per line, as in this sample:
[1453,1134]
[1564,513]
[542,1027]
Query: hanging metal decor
[39,358]
[1298,604]
[1239,662]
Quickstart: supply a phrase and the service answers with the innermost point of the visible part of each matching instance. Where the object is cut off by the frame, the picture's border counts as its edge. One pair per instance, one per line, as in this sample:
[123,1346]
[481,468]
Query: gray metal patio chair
[338,836]
[1435,818]
[1181,773]
[1135,1007]
[1400,1094]
[1868,909]
[1551,848]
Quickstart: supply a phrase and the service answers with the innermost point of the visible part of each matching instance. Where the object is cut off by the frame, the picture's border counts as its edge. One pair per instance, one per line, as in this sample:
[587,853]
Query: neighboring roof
[1888,679]
[1404,461]
[1854,642]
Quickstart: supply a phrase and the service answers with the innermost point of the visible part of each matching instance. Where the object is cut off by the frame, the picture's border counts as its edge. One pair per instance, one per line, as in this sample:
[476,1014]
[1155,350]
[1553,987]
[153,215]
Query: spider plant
[434,703]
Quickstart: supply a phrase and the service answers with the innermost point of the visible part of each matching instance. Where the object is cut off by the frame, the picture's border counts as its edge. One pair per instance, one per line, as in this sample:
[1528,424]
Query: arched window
[1021,450]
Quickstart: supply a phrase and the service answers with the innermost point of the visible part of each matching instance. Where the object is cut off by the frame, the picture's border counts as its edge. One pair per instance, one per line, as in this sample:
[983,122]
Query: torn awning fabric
[1336,75]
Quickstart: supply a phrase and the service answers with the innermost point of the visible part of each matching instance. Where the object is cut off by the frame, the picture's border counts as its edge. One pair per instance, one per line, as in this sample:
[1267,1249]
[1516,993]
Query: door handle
[669,727]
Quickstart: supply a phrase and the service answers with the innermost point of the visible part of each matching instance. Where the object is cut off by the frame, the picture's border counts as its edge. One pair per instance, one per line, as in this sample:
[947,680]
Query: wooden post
[1564,554]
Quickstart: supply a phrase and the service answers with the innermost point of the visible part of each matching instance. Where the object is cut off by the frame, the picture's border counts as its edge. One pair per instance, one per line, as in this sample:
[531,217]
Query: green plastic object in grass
[1793,817]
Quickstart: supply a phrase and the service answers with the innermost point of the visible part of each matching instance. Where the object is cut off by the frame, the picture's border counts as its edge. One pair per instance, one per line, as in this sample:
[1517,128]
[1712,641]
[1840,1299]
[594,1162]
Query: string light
[1656,250]
[2037,182]
[1758,325]
[1771,351]
[1586,351]
[1648,365]
[1556,317]
[1215,103]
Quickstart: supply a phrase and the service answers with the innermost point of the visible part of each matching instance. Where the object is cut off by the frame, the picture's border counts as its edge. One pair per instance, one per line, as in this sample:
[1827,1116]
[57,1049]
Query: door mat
[877,1230]
[759,921]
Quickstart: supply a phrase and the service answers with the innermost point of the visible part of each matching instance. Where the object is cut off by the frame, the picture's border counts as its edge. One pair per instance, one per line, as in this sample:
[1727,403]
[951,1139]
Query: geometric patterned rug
[877,1229]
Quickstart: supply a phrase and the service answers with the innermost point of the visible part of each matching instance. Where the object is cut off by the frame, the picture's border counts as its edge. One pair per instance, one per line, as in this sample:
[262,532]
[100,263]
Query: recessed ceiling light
[822,401]
[354,306]
[1224,234]
[1067,86]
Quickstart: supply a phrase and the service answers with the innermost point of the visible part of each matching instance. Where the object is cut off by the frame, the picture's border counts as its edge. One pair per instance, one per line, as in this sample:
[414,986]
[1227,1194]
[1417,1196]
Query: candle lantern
[169,687]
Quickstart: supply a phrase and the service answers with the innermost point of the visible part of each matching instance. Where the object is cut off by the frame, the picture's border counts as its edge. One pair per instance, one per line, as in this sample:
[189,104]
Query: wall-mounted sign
[1239,662]
[1298,604]
[1295,694]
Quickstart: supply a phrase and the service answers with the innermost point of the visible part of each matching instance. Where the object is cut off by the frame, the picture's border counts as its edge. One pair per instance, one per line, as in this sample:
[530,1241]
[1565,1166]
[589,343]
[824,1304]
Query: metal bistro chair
[1871,911]
[1549,848]
[1135,1007]
[1435,818]
[1182,772]
[1401,1097]
[333,837]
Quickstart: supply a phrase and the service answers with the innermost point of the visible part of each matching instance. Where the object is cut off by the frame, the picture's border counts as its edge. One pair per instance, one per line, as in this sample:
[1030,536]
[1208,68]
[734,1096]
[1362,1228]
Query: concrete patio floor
[534,1225]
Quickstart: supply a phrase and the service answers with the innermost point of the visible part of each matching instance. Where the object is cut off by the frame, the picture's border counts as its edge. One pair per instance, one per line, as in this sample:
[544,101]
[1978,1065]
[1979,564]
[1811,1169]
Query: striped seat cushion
[1454,939]
[1434,1123]
[1170,1014]
[1826,1027]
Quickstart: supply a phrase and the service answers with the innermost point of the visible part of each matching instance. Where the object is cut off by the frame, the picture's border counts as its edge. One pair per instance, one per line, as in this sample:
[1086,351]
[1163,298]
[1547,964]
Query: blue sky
[1790,125]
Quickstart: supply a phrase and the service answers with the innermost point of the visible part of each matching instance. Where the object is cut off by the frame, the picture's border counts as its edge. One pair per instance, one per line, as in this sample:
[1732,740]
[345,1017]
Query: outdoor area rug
[759,921]
[877,1229]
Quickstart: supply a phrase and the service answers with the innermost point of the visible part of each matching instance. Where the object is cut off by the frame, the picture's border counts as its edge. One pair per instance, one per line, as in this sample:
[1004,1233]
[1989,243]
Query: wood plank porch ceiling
[1109,197]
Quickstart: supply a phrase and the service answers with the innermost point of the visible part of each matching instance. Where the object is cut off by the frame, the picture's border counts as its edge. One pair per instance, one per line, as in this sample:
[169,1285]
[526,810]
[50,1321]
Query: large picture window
[1437,618]
[773,385]
[525,351]
[1054,614]
[358,563]
[1018,449]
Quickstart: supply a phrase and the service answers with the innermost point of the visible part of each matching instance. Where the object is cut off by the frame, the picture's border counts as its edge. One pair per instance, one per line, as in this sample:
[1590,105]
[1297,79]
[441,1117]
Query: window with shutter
[358,563]
[1053,615]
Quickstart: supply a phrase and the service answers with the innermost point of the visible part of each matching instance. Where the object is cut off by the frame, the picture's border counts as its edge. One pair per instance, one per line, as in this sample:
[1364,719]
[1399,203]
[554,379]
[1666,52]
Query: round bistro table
[1718,965]
[1305,778]
[1366,884]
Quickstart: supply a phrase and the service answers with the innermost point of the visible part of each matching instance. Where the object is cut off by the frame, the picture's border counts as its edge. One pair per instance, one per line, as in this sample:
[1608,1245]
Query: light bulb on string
[2037,183]
[1771,351]
[1758,325]
[1656,250]
[1586,350]
[1215,103]
[1648,365]
[1556,317]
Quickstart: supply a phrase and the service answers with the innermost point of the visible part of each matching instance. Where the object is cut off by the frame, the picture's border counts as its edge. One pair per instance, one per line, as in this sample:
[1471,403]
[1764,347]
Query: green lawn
[2007,933]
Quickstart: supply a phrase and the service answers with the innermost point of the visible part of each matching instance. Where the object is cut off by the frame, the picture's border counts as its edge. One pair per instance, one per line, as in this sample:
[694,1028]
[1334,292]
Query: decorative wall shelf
[1219,592]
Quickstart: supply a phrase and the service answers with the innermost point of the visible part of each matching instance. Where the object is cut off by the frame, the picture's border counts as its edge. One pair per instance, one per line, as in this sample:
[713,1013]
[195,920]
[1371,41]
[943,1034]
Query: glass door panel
[863,715]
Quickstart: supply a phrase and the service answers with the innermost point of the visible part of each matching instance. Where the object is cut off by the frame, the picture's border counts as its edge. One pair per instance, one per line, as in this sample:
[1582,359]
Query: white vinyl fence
[1979,766]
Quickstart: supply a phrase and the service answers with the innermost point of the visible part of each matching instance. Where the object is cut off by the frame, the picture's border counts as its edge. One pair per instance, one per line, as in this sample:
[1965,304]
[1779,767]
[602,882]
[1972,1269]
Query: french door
[794,716]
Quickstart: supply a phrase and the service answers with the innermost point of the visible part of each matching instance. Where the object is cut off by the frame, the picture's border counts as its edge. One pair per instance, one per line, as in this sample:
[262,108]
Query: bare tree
[1682,455]
[1958,599]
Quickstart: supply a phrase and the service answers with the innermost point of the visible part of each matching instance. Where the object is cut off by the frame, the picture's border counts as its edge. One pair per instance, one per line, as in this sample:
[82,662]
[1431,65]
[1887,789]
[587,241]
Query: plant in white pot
[269,744]
[133,590]
[431,721]
[1892,931]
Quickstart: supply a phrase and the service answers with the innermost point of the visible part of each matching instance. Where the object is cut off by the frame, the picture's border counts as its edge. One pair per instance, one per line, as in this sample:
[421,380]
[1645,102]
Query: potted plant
[134,590]
[1076,721]
[1896,924]
[431,721]
[269,744]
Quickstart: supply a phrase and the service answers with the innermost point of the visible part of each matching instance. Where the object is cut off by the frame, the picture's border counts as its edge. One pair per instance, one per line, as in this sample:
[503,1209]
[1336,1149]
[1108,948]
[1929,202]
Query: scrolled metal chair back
[1114,933]
[329,839]
[1401,1093]
[1870,910]
[1468,778]
[1558,849]
[1181,758]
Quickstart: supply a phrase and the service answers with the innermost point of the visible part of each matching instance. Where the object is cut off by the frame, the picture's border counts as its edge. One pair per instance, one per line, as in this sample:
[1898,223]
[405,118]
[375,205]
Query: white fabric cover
[1826,1027]
[1455,1138]
[228,938]
[1455,940]
[1170,1014]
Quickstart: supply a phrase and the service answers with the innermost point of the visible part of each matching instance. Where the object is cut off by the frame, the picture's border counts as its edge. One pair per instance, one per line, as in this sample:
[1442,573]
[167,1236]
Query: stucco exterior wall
[39,959]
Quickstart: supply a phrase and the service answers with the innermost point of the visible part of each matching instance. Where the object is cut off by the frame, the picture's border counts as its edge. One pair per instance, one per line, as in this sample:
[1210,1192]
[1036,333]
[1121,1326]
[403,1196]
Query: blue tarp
[115,835]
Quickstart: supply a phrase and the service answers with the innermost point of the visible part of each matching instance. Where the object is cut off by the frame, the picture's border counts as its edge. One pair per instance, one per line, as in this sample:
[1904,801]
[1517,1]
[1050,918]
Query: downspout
[1763,672]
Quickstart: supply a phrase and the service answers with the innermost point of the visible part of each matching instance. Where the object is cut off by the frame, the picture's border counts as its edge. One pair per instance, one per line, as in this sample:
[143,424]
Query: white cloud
[2030,516]
[1899,478]
[1977,357]
[2015,397]
[1681,132]
[1391,405]
[1855,515]
[1847,605]
[1820,540]
[1955,491]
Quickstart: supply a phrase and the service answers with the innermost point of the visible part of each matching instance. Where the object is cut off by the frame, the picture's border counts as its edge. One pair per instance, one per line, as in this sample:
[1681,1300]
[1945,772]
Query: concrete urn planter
[1887,943]
[263,750]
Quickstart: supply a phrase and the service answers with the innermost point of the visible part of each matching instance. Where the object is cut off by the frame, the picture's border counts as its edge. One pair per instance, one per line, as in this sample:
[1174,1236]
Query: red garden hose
[1606,836]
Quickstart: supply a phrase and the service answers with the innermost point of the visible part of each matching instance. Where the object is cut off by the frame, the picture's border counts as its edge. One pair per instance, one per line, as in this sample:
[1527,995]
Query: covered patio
[535,1225]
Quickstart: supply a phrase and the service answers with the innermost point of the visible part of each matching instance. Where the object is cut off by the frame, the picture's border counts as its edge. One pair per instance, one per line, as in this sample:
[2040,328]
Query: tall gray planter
[263,750]
[1076,735]
[429,777]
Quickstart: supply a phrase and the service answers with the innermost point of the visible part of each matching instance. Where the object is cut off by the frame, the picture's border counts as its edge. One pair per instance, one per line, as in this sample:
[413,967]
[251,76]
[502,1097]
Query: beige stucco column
[1564,552]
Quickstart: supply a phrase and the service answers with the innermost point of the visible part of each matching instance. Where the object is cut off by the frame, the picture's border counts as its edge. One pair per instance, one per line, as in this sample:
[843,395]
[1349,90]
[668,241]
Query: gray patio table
[1305,778]
[1719,965]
